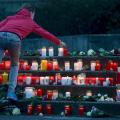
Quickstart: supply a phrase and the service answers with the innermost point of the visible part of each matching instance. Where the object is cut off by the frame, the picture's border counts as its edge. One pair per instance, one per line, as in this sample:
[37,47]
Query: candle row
[49,110]
[80,79]
[55,95]
[46,65]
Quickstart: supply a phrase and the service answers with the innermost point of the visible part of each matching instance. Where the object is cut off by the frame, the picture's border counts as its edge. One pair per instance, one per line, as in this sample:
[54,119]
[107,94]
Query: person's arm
[3,22]
[45,34]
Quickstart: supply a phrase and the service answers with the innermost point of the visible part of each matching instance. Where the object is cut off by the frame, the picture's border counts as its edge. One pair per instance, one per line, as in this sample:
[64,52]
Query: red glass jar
[39,109]
[2,65]
[101,80]
[65,51]
[81,110]
[49,94]
[7,65]
[29,109]
[68,110]
[52,80]
[20,80]
[115,66]
[1,79]
[49,110]
[97,66]
[39,92]
[49,66]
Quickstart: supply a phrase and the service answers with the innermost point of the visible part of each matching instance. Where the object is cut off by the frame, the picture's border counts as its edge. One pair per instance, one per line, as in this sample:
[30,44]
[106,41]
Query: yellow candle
[5,77]
[43,65]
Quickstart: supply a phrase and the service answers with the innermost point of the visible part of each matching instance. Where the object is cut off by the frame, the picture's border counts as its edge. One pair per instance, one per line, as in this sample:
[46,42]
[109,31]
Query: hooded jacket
[22,25]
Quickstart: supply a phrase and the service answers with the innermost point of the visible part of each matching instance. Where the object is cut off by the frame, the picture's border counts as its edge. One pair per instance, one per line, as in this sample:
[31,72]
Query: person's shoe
[12,96]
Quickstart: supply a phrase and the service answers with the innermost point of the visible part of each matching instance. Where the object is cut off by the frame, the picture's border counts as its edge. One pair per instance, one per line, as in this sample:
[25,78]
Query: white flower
[16,111]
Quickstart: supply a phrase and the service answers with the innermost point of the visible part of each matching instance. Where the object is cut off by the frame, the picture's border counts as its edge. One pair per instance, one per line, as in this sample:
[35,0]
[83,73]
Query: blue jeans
[12,43]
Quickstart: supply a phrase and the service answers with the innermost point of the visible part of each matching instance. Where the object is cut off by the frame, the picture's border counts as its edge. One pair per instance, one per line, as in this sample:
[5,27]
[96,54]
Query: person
[13,30]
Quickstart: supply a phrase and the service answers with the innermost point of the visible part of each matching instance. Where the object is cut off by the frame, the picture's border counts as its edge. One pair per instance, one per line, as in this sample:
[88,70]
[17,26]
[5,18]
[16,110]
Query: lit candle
[20,80]
[7,65]
[89,93]
[76,66]
[67,66]
[49,94]
[28,80]
[5,77]
[34,65]
[25,64]
[55,94]
[44,51]
[68,94]
[115,66]
[51,52]
[60,51]
[93,64]
[43,65]
[39,92]
[29,92]
[1,79]
[97,66]
[80,64]
[2,65]
[118,94]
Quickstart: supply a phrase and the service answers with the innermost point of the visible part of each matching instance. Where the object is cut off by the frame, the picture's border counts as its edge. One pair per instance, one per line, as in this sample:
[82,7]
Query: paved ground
[50,118]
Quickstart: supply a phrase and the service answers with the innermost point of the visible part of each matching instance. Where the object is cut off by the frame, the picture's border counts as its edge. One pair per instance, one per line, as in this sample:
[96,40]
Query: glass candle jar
[43,52]
[60,51]
[80,64]
[28,80]
[7,65]
[34,65]
[51,51]
[43,65]
[93,64]
[5,78]
[29,92]
[67,66]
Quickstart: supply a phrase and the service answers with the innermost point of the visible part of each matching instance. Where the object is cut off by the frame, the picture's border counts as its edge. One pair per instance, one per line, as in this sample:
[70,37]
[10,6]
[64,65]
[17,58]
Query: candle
[29,92]
[34,65]
[5,77]
[89,93]
[46,80]
[58,78]
[2,65]
[7,65]
[97,66]
[115,66]
[118,94]
[68,94]
[64,80]
[48,109]
[39,92]
[67,110]
[65,51]
[21,64]
[28,80]
[76,66]
[81,79]
[44,51]
[93,64]
[80,64]
[29,109]
[43,65]
[55,94]
[42,80]
[101,80]
[51,80]
[49,94]
[1,79]
[67,66]
[27,67]
[81,110]
[109,65]
[69,80]
[49,66]
[39,109]
[51,52]
[60,51]
[20,80]
[25,64]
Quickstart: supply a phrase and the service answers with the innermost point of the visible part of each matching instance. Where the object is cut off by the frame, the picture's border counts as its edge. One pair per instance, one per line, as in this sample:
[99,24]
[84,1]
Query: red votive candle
[2,65]
[39,109]
[81,110]
[30,109]
[39,92]
[115,66]
[49,94]
[67,110]
[1,79]
[49,109]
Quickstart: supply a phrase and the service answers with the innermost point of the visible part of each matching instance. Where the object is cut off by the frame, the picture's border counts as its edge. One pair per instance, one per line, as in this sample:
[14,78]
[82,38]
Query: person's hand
[62,44]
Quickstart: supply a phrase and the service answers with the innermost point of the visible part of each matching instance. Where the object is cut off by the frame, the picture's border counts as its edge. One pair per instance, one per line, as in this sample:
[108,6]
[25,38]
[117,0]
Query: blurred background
[76,19]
